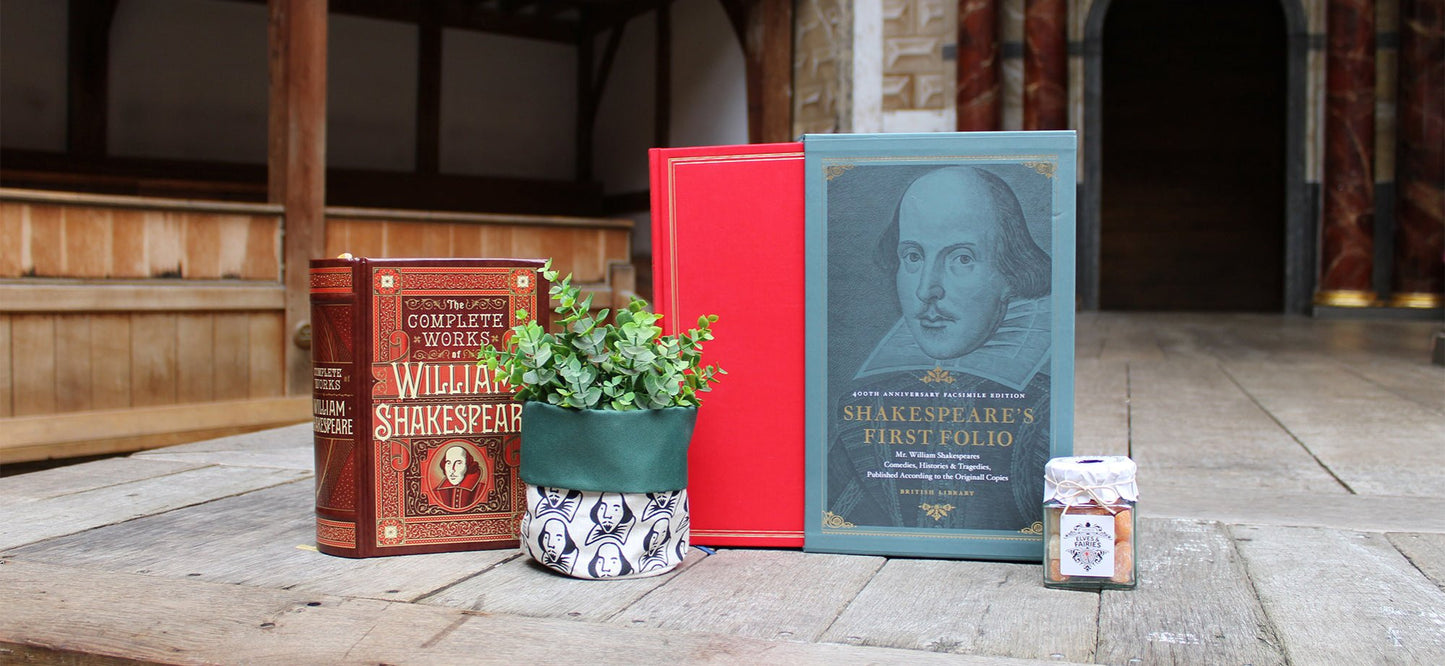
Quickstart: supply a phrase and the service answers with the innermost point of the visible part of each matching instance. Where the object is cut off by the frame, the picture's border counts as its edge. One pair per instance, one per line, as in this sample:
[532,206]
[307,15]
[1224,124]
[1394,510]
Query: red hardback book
[727,239]
[416,446]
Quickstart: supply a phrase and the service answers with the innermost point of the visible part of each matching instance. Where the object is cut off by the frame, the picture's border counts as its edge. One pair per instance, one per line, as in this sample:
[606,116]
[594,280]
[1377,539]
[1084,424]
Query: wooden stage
[1293,512]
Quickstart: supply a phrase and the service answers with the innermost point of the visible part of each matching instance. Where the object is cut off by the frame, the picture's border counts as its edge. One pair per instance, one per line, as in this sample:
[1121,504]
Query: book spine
[338,403]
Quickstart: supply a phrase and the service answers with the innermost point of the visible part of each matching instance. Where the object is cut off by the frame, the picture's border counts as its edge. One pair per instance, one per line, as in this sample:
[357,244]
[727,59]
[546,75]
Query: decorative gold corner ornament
[1346,298]
[834,170]
[1047,169]
[835,521]
[1421,300]
[937,511]
[1036,528]
[937,376]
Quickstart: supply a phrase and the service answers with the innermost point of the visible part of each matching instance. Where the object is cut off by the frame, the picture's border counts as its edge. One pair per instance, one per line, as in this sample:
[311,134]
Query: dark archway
[1193,174]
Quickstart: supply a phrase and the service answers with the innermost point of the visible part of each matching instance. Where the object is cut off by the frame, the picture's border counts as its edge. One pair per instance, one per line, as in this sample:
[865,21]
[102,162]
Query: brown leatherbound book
[417,447]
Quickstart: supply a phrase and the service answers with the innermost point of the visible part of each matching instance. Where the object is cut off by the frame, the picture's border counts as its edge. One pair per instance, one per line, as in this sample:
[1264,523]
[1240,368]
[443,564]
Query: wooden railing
[128,323]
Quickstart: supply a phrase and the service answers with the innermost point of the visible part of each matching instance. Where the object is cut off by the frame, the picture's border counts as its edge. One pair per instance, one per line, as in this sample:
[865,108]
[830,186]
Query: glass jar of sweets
[1089,512]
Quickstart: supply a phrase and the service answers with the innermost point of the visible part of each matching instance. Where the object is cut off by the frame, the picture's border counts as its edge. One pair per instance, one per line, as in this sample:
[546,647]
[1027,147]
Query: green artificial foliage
[589,363]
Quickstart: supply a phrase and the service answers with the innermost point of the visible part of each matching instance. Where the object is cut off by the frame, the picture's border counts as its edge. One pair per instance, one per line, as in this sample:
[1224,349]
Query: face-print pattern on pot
[589,534]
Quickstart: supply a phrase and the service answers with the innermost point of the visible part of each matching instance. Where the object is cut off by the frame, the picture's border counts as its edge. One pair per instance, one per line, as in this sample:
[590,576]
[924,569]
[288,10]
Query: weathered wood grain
[12,226]
[87,242]
[283,448]
[1194,603]
[739,592]
[1191,425]
[1425,551]
[7,376]
[1338,597]
[520,586]
[1372,440]
[153,359]
[1101,408]
[231,346]
[969,608]
[263,249]
[65,609]
[72,479]
[1413,380]
[267,372]
[110,360]
[165,249]
[1130,340]
[106,505]
[32,364]
[72,363]
[202,254]
[128,245]
[263,538]
[1250,506]
[195,354]
[46,245]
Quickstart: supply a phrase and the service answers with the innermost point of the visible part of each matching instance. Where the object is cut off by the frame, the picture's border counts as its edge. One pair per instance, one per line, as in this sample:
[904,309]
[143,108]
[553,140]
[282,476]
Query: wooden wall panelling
[202,258]
[231,355]
[263,249]
[586,253]
[407,239]
[195,353]
[46,241]
[87,242]
[6,376]
[497,241]
[128,258]
[267,350]
[165,244]
[12,225]
[110,360]
[467,241]
[153,357]
[32,362]
[72,363]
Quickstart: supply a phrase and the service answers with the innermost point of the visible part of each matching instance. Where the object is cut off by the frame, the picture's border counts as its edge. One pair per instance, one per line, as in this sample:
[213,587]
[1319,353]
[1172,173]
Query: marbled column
[1419,270]
[1347,233]
[1046,65]
[978,92]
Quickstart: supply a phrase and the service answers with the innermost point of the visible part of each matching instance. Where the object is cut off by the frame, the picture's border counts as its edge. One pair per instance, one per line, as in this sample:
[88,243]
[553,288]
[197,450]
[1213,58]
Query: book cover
[940,299]
[727,233]
[416,446]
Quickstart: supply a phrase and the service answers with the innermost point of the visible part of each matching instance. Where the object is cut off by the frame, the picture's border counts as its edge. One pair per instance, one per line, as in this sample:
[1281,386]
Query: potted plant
[608,413]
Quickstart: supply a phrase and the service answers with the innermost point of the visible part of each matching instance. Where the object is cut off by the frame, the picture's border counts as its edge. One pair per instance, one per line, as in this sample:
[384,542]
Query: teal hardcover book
[940,314]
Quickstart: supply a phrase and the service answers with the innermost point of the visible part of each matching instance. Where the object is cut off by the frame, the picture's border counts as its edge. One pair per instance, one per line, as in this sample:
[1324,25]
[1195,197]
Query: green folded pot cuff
[642,451]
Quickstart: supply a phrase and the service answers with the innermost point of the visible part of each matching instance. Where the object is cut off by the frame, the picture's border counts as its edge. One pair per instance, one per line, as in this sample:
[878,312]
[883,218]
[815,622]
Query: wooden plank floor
[1293,512]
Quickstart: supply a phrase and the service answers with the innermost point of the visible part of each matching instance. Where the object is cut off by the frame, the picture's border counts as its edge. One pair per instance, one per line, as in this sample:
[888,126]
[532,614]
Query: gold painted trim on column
[1346,298]
[1417,299]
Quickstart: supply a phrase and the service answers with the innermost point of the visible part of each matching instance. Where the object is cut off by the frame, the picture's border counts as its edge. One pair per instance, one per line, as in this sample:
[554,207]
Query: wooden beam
[31,295]
[428,90]
[461,15]
[304,28]
[122,430]
[277,113]
[768,50]
[662,79]
[88,76]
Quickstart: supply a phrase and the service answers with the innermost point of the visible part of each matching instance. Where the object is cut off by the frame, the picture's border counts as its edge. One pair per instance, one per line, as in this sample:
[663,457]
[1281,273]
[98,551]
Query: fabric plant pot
[606,490]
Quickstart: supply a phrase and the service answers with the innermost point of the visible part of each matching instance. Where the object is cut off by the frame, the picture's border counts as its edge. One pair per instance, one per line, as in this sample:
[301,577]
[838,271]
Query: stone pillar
[1046,65]
[1347,227]
[978,85]
[1419,269]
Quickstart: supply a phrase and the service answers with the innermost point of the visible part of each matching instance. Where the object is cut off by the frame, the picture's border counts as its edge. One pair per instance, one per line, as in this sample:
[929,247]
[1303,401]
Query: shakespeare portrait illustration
[612,519]
[460,484]
[561,501]
[949,397]
[558,549]
[609,562]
